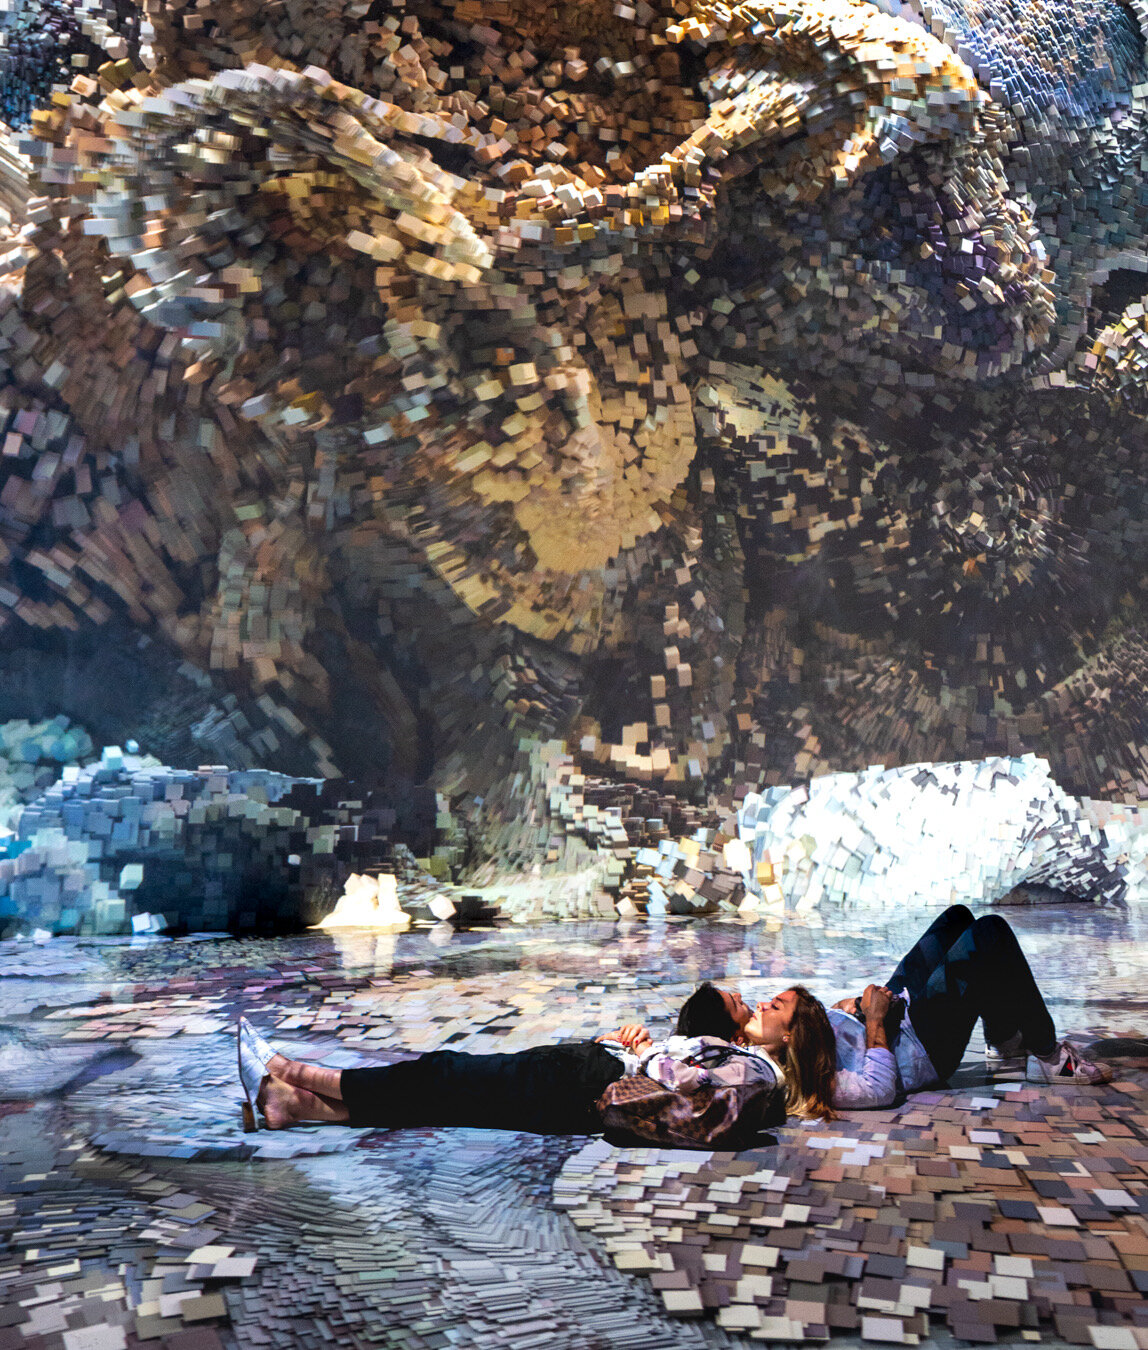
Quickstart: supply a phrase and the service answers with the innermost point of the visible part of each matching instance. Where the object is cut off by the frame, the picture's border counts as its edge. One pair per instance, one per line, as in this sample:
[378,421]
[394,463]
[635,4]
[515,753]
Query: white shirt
[871,1076]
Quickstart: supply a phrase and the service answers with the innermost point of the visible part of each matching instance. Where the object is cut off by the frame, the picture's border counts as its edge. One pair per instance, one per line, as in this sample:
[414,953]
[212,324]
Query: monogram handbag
[640,1110]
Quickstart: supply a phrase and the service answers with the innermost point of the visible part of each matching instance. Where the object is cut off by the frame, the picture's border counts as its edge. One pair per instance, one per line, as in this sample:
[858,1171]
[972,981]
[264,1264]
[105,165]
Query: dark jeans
[549,1089]
[964,968]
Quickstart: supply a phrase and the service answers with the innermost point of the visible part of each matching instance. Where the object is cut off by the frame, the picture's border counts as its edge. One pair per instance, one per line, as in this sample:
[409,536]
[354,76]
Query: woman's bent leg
[928,952]
[548,1089]
[1013,1003]
[983,974]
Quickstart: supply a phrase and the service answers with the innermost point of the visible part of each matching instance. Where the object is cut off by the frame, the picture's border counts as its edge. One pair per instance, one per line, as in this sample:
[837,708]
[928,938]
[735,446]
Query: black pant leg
[1012,1001]
[548,1089]
[928,952]
[983,974]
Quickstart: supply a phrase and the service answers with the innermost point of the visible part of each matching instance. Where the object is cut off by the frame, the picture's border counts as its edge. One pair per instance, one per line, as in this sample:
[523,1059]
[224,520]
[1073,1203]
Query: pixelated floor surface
[134,1211]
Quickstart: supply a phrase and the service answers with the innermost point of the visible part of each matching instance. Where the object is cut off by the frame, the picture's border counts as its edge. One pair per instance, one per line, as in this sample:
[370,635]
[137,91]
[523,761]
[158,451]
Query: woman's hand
[850,1005]
[875,1002]
[633,1036]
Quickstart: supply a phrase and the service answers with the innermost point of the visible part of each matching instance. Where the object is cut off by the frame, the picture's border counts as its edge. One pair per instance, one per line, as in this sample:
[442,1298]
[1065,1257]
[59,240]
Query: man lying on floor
[697,1091]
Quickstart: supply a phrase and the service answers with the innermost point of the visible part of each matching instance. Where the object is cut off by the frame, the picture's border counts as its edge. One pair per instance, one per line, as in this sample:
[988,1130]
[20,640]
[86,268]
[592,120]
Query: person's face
[737,1007]
[770,1022]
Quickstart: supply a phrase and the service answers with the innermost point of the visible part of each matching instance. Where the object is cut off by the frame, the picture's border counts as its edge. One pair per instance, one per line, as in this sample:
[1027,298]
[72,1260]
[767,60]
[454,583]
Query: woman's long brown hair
[810,1061]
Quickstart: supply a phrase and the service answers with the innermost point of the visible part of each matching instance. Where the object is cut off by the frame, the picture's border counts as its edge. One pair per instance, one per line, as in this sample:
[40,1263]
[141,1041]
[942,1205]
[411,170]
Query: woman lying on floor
[912,1033]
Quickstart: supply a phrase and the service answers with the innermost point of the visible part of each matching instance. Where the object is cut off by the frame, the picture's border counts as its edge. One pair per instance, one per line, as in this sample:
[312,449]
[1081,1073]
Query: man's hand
[633,1036]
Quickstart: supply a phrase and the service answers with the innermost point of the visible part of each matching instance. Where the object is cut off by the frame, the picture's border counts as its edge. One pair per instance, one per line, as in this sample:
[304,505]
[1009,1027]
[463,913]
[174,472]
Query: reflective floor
[134,1210]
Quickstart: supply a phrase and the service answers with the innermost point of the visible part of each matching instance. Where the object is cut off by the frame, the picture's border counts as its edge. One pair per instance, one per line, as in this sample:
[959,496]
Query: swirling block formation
[739,392]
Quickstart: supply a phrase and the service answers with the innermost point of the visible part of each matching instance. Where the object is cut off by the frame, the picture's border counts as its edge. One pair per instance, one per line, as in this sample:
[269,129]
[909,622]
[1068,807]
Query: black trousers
[548,1089]
[964,968]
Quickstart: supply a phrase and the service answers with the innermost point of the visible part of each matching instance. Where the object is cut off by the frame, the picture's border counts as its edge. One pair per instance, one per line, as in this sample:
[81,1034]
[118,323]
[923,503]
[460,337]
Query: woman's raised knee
[994,927]
[956,913]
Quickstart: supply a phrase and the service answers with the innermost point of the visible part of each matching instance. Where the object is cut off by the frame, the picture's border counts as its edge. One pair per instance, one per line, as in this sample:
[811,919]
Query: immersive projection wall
[547,428]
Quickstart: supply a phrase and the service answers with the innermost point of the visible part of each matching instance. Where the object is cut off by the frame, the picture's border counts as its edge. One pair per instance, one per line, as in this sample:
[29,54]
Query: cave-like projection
[510,511]
[526,433]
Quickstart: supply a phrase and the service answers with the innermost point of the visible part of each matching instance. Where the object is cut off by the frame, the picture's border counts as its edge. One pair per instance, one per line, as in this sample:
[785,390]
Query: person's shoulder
[845,1026]
[705,1049]
[685,1046]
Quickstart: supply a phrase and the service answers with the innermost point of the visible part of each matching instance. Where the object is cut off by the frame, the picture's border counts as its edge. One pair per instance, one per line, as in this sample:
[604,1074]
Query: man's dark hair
[704,1014]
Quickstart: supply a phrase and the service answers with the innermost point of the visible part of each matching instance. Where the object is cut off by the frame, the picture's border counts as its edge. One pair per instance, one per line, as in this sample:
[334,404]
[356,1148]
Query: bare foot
[279,1103]
[284,1105]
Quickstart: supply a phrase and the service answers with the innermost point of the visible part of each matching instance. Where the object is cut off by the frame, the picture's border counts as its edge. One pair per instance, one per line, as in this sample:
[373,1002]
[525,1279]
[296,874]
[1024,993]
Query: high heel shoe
[251,1075]
[261,1049]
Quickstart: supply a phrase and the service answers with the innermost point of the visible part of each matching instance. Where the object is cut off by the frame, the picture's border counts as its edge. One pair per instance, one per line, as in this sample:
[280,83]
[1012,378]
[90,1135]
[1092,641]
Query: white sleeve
[631,1063]
[873,1085]
[662,1062]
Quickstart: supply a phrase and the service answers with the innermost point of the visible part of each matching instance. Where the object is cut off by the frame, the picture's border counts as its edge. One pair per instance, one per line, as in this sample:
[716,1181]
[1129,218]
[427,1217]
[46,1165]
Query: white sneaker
[1067,1066]
[1008,1060]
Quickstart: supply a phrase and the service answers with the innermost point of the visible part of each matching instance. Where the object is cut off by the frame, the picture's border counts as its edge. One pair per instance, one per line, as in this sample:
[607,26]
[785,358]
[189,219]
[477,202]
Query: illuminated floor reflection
[135,1204]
